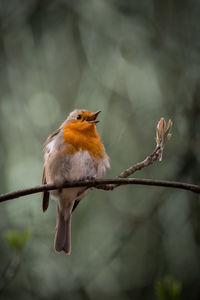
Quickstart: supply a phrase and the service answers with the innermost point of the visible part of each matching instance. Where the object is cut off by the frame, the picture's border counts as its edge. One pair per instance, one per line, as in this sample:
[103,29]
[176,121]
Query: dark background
[136,61]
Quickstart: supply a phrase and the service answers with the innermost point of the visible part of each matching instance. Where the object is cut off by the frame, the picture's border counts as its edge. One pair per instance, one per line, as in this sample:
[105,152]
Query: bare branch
[162,133]
[149,160]
[100,182]
[145,163]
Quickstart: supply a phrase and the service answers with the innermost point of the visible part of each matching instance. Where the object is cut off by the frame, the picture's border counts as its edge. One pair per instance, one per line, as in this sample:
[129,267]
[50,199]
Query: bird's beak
[93,118]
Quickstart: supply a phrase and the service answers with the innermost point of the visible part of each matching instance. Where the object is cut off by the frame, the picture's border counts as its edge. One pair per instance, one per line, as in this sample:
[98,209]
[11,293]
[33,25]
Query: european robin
[73,152]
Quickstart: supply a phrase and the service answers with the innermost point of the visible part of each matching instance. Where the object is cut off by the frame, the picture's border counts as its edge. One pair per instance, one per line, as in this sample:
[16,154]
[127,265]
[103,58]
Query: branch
[100,182]
[162,133]
[149,160]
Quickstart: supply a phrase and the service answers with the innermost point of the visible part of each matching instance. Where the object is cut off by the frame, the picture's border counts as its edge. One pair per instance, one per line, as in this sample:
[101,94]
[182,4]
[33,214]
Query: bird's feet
[90,178]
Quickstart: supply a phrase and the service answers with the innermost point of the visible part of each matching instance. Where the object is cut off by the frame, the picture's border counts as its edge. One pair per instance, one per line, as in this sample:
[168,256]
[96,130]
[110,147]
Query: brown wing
[45,194]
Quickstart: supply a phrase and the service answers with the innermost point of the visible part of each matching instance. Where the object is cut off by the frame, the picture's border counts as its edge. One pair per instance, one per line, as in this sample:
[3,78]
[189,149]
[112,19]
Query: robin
[72,152]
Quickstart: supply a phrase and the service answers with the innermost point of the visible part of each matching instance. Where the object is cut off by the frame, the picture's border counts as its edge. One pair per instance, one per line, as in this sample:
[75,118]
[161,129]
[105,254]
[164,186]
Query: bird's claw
[90,178]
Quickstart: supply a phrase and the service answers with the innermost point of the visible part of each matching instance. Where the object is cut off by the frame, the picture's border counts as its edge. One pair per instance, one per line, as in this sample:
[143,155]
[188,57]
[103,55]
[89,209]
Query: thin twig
[146,162]
[163,132]
[149,160]
[100,182]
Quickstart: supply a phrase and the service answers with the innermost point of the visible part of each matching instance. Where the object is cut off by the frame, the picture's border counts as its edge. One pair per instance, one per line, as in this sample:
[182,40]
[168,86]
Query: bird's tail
[63,233]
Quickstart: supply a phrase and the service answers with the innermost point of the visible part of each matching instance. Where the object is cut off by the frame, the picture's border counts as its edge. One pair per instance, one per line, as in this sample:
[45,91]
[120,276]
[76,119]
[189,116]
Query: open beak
[93,117]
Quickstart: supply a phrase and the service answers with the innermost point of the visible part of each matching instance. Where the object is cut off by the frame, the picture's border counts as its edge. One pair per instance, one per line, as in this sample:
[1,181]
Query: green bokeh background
[136,61]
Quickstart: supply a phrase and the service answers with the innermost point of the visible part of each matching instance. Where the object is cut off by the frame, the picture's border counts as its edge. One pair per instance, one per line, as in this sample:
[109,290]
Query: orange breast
[88,140]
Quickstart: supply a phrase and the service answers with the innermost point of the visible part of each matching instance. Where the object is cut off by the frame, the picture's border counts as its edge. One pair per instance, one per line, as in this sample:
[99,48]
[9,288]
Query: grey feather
[63,234]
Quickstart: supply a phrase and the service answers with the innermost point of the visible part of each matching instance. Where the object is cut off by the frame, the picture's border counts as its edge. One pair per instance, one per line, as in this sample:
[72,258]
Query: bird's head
[81,120]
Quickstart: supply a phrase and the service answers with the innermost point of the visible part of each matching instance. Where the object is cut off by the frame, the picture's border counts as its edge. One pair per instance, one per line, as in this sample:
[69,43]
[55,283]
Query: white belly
[79,166]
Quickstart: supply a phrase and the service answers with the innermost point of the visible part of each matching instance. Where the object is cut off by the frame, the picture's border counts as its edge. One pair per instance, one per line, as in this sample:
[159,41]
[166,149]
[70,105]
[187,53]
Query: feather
[63,234]
[45,194]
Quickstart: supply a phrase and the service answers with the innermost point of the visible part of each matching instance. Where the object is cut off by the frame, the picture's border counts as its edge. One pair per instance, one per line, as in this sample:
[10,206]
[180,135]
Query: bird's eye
[78,117]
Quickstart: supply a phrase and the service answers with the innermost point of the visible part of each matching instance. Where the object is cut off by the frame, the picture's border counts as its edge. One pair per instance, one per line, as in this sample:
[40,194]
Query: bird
[72,152]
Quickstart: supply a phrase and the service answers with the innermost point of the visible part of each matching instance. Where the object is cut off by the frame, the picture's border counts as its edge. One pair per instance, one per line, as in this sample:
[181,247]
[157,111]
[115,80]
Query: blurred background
[136,61]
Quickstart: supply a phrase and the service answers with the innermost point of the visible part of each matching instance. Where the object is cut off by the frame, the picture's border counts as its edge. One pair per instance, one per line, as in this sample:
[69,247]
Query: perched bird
[72,152]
